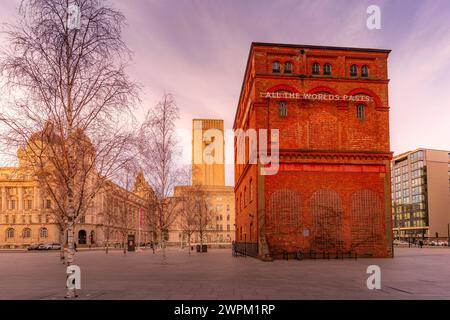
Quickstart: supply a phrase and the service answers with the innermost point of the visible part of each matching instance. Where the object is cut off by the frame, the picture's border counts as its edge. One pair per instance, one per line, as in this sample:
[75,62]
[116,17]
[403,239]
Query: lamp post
[139,230]
[448,234]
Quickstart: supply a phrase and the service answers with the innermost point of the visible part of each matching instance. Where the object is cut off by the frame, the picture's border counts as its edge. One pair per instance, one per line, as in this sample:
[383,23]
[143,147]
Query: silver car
[50,246]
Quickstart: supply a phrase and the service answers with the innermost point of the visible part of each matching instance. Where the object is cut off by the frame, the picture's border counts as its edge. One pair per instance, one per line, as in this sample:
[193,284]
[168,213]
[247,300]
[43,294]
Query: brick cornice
[299,155]
[283,76]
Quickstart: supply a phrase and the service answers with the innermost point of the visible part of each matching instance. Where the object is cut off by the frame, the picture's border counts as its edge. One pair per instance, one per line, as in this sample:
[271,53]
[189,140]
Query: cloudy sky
[197,49]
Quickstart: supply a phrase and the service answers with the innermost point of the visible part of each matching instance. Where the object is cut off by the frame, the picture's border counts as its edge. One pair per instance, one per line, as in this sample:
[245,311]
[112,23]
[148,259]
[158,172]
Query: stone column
[4,199]
[20,196]
[36,198]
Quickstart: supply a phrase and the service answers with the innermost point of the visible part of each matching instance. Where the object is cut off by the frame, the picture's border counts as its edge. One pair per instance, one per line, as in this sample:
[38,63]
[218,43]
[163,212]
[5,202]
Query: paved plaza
[413,274]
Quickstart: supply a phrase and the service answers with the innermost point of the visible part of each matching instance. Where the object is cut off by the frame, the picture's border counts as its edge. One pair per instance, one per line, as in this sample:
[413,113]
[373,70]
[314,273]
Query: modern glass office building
[421,194]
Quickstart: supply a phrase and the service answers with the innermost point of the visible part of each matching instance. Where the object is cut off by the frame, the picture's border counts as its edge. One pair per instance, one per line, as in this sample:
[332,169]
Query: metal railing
[313,254]
[245,249]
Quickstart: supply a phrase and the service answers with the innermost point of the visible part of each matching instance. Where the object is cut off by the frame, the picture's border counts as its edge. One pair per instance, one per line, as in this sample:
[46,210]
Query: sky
[198,49]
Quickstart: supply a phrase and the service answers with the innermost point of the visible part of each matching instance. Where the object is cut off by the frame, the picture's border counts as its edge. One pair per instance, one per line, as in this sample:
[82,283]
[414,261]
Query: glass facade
[409,197]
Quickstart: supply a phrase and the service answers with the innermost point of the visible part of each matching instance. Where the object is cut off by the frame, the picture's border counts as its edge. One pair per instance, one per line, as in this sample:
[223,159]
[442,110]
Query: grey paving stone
[413,274]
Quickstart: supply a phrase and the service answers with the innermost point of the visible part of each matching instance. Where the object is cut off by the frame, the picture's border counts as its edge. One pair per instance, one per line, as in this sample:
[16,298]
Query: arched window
[361,112]
[327,69]
[10,233]
[316,69]
[354,70]
[365,71]
[26,233]
[288,67]
[43,233]
[283,109]
[276,67]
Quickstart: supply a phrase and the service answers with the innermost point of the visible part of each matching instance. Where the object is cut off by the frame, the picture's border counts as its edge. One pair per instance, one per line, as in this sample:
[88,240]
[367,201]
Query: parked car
[50,246]
[439,243]
[34,247]
[400,243]
[55,246]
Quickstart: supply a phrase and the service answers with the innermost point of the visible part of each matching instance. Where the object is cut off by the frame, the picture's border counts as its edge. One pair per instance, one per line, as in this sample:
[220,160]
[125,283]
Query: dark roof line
[301,46]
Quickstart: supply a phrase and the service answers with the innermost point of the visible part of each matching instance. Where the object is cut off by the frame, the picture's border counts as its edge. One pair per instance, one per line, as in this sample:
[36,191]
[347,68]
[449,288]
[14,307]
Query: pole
[448,234]
[139,229]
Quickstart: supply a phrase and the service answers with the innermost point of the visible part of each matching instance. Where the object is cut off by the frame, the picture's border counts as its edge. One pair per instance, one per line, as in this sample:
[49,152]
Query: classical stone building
[208,176]
[331,193]
[27,215]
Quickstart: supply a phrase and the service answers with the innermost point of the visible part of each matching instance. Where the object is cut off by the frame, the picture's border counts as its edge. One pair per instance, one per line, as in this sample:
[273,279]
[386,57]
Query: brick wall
[335,176]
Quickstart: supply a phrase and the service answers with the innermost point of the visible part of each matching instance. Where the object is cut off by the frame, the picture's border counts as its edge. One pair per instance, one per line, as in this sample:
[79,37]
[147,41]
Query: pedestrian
[421,244]
[75,246]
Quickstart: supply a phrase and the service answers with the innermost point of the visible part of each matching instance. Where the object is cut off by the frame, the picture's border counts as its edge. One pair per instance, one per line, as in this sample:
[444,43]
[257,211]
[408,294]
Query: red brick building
[332,194]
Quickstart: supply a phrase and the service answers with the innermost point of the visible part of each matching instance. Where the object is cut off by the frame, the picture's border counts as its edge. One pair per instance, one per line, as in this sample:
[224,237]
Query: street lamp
[448,234]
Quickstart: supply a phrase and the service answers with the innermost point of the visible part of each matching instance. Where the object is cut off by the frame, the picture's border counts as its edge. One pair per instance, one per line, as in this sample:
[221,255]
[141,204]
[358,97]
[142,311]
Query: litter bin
[131,243]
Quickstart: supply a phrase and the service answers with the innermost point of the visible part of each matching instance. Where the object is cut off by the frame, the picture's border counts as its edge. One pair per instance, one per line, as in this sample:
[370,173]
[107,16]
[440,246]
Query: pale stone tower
[208,155]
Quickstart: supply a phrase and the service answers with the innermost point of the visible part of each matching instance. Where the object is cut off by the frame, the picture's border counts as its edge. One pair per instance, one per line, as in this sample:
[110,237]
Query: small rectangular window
[283,109]
[288,67]
[361,112]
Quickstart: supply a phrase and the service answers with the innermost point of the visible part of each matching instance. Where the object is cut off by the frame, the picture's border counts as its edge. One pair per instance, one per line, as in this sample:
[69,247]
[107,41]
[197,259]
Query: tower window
[316,69]
[288,67]
[361,112]
[365,71]
[276,67]
[327,69]
[283,109]
[354,70]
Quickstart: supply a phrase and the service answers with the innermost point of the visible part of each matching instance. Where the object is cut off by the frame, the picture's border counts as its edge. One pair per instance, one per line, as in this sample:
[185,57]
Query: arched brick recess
[285,211]
[327,216]
[365,215]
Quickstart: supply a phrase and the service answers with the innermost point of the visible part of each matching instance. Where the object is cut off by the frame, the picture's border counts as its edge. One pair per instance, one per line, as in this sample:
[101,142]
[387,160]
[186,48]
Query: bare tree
[159,162]
[68,97]
[195,214]
[109,219]
[186,220]
[127,217]
[203,214]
